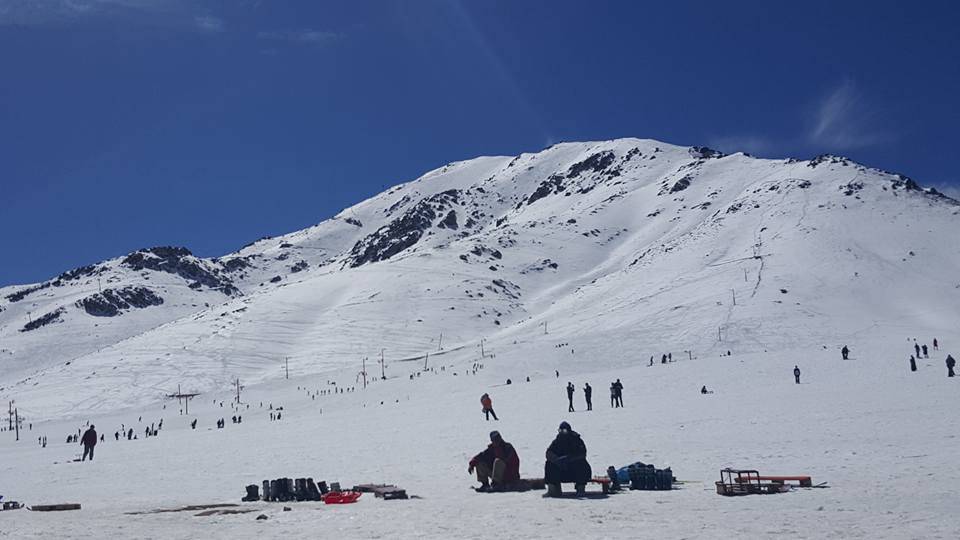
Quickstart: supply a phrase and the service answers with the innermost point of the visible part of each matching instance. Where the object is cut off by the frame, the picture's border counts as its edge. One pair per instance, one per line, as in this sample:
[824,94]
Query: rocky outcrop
[111,303]
[179,261]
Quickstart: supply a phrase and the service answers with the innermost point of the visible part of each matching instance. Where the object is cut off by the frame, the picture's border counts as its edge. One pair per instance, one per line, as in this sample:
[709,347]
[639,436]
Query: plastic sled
[341,497]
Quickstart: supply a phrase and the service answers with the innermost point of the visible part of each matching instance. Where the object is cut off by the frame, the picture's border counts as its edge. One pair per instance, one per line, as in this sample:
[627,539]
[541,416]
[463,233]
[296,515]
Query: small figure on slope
[487,405]
[588,395]
[89,440]
[796,374]
[618,392]
[951,363]
[570,390]
[913,363]
[845,352]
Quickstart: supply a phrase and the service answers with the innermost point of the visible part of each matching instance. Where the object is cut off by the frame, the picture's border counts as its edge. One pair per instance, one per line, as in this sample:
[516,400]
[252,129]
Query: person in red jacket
[487,405]
[498,467]
[89,440]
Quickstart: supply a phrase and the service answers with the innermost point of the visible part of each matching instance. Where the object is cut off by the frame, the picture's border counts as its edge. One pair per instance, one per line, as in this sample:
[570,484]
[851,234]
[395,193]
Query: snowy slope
[628,247]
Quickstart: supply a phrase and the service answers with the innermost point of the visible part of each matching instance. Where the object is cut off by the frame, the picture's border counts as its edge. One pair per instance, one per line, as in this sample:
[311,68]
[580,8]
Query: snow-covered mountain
[625,247]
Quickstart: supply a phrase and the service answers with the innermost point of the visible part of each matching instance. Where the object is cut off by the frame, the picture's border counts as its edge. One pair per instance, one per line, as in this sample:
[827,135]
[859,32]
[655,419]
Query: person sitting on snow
[566,462]
[498,467]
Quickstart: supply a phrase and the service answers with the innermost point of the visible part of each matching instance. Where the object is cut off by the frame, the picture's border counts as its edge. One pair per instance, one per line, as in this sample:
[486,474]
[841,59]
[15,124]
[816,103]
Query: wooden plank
[54,507]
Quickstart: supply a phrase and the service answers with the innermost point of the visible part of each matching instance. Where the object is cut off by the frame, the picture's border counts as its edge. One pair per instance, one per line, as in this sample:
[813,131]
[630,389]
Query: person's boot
[581,490]
[553,490]
[484,487]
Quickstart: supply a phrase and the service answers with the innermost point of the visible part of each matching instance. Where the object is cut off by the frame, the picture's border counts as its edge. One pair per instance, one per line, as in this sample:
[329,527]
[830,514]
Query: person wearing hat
[566,462]
[88,441]
[498,467]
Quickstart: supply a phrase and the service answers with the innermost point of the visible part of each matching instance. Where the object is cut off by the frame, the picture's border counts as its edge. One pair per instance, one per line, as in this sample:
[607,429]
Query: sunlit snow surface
[817,257]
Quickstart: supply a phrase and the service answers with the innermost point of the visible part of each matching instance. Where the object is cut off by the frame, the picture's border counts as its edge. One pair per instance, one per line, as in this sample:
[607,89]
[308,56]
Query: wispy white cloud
[951,189]
[305,36]
[209,23]
[40,12]
[843,121]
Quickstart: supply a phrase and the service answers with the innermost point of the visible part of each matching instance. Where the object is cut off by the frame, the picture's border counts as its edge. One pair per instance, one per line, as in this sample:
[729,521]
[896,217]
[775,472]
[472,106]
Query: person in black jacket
[89,440]
[570,390]
[566,462]
[618,392]
[588,394]
[796,373]
[951,363]
[845,352]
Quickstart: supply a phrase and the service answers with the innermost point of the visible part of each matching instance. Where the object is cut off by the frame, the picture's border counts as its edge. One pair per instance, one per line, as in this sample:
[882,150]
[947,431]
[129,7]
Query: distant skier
[651,361]
[566,462]
[663,359]
[618,393]
[130,434]
[924,347]
[498,467]
[670,357]
[88,441]
[796,373]
[588,395]
[487,406]
[936,346]
[193,425]
[557,371]
[116,435]
[703,390]
[916,347]
[951,363]
[613,395]
[845,352]
[570,390]
[913,363]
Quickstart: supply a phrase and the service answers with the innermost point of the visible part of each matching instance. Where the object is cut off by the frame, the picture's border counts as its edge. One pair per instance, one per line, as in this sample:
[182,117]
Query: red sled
[341,497]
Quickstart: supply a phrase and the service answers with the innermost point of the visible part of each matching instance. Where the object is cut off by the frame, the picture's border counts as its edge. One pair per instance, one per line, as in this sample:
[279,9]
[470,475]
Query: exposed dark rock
[553,184]
[275,279]
[238,263]
[23,293]
[703,152]
[44,320]
[299,267]
[286,245]
[111,303]
[354,222]
[179,261]
[596,163]
[681,184]
[403,232]
[449,222]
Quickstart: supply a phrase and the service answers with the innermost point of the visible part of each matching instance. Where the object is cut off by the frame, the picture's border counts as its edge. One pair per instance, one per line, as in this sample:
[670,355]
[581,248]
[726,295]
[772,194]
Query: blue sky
[208,124]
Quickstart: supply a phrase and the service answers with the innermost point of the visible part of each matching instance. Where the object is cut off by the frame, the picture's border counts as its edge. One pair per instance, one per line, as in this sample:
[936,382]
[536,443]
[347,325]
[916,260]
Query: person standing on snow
[936,346]
[498,467]
[796,373]
[845,352]
[950,365]
[916,348]
[89,440]
[570,390]
[913,363]
[487,404]
[924,347]
[588,394]
[618,393]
